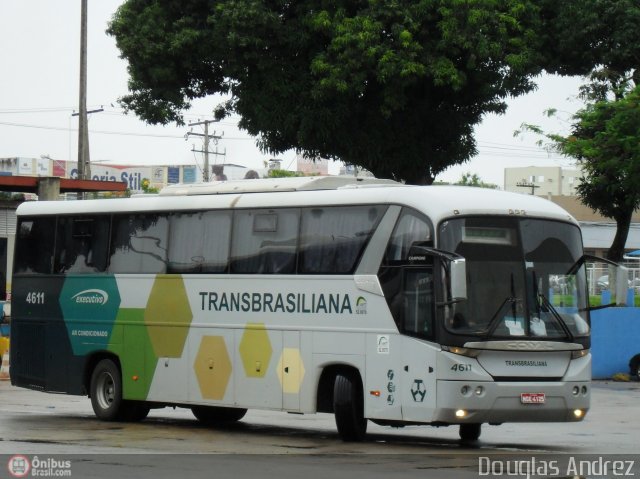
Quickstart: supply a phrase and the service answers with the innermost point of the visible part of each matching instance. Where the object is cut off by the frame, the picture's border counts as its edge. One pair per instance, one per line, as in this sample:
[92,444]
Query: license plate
[532,398]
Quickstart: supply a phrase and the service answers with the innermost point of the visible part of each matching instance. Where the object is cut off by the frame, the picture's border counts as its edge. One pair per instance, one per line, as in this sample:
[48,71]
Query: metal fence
[598,278]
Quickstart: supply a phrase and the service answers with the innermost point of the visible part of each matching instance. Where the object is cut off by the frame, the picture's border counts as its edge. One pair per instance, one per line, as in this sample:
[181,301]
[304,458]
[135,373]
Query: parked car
[634,366]
[602,284]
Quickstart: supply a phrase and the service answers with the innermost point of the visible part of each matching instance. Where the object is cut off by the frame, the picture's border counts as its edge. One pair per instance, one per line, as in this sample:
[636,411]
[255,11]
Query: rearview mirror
[458,275]
[454,265]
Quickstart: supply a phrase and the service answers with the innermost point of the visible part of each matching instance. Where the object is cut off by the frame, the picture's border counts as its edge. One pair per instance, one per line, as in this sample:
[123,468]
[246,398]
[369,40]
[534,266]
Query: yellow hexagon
[212,367]
[168,316]
[255,350]
[291,370]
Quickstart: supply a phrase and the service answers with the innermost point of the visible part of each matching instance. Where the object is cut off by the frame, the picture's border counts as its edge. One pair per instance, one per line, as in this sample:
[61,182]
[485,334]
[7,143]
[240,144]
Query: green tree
[605,139]
[283,174]
[473,179]
[395,87]
[580,35]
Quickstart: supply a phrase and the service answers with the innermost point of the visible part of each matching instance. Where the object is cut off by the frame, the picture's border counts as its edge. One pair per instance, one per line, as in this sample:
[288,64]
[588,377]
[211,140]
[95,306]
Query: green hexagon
[255,350]
[168,316]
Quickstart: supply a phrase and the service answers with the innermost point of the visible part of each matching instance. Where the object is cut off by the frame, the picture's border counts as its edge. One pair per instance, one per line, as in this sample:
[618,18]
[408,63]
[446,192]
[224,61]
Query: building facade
[542,180]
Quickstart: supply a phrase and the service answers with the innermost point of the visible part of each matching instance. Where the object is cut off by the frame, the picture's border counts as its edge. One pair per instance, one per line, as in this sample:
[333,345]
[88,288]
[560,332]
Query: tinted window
[34,245]
[139,243]
[416,314]
[82,244]
[199,242]
[408,289]
[333,238]
[410,228]
[265,241]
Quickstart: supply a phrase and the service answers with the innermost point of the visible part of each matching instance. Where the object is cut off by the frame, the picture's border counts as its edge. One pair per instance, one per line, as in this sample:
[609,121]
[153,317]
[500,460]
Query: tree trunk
[623,222]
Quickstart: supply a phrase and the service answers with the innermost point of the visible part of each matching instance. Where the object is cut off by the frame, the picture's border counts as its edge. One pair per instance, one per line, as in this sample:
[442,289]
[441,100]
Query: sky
[39,91]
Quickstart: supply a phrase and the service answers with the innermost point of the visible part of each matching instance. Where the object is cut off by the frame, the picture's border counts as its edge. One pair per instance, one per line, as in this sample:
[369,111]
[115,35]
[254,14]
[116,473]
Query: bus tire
[470,432]
[348,407]
[106,391]
[135,411]
[634,366]
[212,415]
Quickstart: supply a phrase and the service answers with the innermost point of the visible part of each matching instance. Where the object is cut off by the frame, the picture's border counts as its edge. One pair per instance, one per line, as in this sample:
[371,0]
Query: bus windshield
[521,278]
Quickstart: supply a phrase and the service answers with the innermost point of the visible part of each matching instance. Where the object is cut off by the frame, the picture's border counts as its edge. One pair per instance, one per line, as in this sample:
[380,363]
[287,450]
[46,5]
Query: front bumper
[498,402]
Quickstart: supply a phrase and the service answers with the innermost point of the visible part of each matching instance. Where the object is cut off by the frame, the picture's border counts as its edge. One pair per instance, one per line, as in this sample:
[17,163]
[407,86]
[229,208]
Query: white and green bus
[370,300]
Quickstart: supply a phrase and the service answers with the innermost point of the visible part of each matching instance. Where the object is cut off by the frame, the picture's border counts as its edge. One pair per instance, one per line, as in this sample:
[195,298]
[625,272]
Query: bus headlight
[581,353]
[576,390]
[471,353]
[479,391]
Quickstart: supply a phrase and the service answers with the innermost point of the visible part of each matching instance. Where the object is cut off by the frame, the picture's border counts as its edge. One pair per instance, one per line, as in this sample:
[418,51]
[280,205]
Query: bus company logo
[361,305]
[529,346]
[19,466]
[91,296]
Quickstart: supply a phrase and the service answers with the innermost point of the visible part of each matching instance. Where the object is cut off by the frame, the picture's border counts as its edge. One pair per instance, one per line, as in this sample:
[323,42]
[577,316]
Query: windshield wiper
[554,312]
[495,320]
[549,307]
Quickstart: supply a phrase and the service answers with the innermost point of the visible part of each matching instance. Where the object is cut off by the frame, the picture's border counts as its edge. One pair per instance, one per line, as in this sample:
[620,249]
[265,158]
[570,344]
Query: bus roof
[437,202]
[266,185]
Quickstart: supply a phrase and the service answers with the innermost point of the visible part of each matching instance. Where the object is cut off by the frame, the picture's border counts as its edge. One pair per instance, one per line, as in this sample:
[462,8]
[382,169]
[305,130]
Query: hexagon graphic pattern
[212,367]
[168,316]
[291,370]
[255,350]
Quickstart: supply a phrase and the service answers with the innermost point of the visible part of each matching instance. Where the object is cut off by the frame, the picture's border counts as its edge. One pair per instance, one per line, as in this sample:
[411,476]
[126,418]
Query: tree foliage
[395,87]
[473,179]
[604,138]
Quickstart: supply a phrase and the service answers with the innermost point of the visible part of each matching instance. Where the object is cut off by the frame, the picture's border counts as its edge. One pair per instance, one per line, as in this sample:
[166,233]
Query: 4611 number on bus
[35,297]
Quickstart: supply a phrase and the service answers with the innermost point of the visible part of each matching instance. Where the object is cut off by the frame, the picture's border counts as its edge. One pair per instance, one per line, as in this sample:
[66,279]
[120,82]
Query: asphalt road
[172,443]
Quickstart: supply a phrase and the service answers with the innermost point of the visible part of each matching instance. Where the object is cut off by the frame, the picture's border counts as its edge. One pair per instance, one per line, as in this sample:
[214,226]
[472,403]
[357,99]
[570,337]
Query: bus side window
[82,244]
[418,307]
[265,241]
[332,239]
[199,242]
[409,229]
[139,243]
[409,289]
[34,246]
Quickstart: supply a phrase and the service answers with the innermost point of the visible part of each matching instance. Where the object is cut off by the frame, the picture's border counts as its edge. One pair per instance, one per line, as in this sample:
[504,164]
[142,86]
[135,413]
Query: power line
[106,132]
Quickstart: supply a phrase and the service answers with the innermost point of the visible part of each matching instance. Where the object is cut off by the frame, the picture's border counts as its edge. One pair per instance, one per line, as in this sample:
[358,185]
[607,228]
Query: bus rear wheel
[106,391]
[348,407]
[212,415]
[470,432]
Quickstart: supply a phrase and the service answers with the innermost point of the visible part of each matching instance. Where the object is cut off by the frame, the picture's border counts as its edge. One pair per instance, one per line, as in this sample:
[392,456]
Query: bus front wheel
[348,407]
[470,432]
[106,391]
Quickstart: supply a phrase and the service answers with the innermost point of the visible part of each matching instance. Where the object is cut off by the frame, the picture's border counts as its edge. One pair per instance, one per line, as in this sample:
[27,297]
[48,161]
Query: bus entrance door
[291,370]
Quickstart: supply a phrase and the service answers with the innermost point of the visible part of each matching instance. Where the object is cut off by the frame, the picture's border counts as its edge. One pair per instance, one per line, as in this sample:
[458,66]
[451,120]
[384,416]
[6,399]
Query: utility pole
[205,150]
[524,184]
[84,169]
